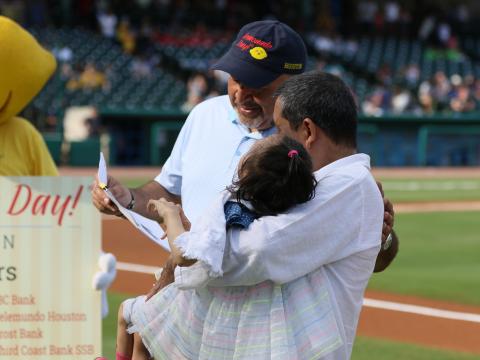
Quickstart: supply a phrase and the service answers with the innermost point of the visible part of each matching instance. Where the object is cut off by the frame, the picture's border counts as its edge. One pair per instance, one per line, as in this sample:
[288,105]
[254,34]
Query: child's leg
[124,339]
[121,357]
[140,352]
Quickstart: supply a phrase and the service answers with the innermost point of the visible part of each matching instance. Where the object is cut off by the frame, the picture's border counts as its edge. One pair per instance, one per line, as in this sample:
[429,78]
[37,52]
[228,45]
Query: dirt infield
[436,206]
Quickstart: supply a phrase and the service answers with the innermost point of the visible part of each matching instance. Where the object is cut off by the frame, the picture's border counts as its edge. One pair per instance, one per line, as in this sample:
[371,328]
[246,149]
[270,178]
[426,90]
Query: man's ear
[310,133]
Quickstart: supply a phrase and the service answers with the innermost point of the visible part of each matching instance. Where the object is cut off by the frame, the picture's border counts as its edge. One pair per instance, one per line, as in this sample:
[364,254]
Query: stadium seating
[159,91]
[164,91]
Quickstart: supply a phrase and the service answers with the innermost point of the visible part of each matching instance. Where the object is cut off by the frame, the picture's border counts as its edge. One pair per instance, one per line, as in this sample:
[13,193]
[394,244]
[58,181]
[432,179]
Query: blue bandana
[237,214]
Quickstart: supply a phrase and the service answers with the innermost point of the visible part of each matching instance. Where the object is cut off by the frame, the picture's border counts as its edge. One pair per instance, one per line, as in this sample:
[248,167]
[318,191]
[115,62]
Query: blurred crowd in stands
[434,95]
[146,29]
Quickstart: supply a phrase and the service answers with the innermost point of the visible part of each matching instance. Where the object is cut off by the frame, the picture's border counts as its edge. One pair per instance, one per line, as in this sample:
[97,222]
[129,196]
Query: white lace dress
[264,321]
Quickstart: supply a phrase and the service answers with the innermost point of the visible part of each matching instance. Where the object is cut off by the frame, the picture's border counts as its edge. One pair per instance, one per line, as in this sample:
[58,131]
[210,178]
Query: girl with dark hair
[275,175]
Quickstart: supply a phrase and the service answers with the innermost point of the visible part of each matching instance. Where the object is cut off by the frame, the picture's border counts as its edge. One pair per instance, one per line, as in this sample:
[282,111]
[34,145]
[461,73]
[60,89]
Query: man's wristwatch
[131,204]
[388,242]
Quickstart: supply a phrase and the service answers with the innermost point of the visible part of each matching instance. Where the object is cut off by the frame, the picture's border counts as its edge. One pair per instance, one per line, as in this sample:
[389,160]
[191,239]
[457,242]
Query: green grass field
[373,349]
[134,182]
[438,257]
[109,324]
[402,190]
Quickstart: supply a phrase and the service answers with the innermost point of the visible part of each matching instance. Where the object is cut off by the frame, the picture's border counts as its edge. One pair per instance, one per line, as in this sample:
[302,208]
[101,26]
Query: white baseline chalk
[421,310]
[378,304]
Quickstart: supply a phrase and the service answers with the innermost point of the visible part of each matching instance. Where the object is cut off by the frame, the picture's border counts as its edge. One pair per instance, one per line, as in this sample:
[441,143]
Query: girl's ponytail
[275,175]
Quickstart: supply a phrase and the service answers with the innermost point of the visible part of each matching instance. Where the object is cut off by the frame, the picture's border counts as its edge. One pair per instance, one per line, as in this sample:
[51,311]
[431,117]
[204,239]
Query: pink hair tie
[292,153]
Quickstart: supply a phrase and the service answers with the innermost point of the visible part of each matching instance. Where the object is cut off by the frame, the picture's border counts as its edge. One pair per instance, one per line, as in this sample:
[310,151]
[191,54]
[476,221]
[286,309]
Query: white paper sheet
[147,226]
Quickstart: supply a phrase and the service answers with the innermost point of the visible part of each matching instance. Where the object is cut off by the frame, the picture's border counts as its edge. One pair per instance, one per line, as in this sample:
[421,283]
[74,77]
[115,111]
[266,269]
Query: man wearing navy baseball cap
[264,54]
[263,51]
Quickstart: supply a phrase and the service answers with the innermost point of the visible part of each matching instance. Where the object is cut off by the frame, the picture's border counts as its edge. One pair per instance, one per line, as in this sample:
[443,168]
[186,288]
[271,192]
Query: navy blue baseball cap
[262,51]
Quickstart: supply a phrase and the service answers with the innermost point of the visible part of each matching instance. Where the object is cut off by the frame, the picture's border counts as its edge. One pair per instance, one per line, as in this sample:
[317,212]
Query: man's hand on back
[387,254]
[388,215]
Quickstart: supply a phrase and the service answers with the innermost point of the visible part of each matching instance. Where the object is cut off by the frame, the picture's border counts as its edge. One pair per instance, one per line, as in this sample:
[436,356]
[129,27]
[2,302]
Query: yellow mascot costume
[25,67]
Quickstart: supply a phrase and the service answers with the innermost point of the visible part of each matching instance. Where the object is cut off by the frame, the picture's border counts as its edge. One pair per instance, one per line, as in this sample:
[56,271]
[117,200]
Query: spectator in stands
[366,11]
[392,16]
[197,91]
[440,90]
[89,79]
[126,36]
[350,47]
[476,92]
[107,22]
[51,123]
[141,67]
[63,54]
[323,43]
[384,75]
[376,103]
[333,44]
[469,80]
[411,75]
[444,33]
[462,100]
[68,72]
[426,102]
[455,81]
[401,100]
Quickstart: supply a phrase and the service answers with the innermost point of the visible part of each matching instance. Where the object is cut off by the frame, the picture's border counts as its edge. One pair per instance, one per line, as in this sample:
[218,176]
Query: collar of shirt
[363,159]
